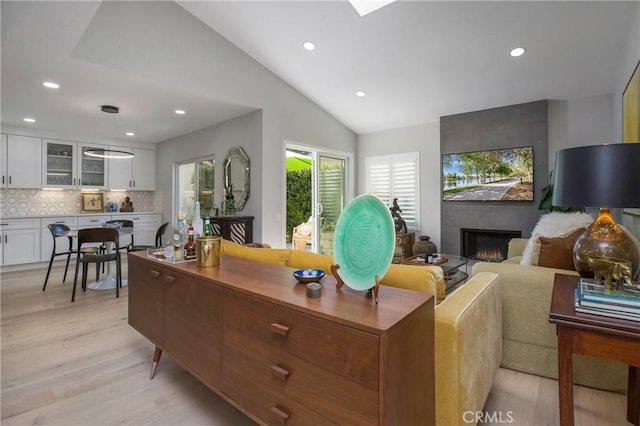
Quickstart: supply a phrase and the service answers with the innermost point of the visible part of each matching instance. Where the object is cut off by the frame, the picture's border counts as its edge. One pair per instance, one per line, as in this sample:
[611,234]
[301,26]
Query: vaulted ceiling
[416,61]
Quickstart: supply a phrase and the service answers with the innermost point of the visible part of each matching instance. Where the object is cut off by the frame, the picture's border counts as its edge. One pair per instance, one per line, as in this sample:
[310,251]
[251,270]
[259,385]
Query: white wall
[244,131]
[579,122]
[425,139]
[163,43]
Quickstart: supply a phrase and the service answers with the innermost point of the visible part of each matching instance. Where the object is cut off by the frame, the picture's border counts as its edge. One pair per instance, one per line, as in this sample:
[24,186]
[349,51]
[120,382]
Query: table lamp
[604,176]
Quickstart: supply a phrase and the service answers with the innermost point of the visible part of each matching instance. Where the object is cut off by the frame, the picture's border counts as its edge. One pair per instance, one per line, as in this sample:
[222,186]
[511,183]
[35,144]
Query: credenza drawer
[338,348]
[282,378]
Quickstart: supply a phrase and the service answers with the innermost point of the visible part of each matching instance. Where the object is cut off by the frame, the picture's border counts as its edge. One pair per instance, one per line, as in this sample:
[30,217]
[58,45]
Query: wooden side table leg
[633,396]
[565,375]
[156,359]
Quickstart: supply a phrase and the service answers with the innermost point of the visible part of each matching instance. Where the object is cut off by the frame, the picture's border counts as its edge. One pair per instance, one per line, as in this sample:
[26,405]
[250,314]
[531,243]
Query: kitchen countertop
[38,216]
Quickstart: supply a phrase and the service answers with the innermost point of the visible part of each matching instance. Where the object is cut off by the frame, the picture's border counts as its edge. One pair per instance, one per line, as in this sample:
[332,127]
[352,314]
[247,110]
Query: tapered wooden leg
[565,376]
[156,359]
[633,396]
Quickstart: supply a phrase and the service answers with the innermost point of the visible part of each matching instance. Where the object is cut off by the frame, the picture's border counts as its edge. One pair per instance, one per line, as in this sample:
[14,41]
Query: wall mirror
[236,176]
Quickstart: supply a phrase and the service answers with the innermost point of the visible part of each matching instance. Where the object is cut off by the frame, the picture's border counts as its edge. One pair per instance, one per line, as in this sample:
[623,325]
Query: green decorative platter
[364,242]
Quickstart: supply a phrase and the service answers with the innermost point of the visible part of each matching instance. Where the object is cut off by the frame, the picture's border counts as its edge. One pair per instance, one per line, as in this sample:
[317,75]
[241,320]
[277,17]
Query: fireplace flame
[491,255]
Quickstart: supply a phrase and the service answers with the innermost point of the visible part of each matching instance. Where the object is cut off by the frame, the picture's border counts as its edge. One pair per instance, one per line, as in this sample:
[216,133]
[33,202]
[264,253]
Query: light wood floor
[80,363]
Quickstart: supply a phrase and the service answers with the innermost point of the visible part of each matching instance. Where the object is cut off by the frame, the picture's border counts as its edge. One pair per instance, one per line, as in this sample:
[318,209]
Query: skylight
[364,7]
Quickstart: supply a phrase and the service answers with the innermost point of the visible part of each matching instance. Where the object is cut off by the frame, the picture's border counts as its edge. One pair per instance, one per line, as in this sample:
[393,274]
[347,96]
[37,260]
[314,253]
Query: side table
[598,336]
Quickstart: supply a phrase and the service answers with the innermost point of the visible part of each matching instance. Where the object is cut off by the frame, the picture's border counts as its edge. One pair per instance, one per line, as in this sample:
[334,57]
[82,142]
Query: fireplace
[487,245]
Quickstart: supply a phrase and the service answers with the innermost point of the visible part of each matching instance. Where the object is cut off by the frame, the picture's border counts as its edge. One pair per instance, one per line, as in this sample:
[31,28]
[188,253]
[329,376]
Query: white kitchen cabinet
[46,240]
[67,165]
[20,161]
[134,174]
[145,226]
[3,161]
[20,240]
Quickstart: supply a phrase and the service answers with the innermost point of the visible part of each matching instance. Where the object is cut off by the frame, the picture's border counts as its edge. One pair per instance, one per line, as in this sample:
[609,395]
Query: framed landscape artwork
[630,101]
[630,121]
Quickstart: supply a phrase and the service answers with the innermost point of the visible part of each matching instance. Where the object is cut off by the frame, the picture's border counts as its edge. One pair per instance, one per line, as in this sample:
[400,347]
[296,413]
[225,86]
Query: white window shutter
[397,176]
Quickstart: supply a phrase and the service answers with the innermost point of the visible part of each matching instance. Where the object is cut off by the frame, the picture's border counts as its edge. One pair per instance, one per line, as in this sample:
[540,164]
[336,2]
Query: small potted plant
[229,203]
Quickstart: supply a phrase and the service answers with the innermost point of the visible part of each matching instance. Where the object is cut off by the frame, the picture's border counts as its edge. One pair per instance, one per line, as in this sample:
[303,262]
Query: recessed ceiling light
[51,85]
[309,45]
[517,51]
[130,134]
[360,93]
[180,112]
[29,120]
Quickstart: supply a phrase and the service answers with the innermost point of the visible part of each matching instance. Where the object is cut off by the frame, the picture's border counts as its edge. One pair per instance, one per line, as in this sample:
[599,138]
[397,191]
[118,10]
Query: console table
[593,335]
[248,331]
[238,229]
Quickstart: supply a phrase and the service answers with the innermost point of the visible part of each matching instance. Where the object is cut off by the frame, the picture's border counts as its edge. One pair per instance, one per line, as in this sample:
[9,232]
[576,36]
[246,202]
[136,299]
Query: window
[397,176]
[194,182]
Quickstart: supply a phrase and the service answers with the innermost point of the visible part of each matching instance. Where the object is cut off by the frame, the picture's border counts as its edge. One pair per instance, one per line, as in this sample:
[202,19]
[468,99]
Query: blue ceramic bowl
[306,276]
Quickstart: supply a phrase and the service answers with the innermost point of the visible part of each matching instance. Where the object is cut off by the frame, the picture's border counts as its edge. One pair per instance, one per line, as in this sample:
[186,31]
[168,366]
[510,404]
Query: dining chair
[59,230]
[159,233]
[120,223]
[97,235]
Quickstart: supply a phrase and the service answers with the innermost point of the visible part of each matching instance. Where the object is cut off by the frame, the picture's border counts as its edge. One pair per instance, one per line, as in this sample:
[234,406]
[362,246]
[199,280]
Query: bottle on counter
[208,231]
[177,248]
[190,246]
[198,230]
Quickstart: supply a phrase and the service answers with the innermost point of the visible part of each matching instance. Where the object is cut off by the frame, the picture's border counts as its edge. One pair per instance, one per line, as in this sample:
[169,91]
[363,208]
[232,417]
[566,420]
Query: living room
[273,112]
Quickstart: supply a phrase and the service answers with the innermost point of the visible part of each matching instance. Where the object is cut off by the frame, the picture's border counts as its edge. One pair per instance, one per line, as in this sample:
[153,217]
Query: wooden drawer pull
[280,329]
[170,279]
[279,372]
[280,415]
[155,274]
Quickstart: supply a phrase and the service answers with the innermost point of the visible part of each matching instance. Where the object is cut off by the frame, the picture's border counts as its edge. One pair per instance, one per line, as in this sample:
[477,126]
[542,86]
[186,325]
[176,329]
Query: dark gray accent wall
[506,127]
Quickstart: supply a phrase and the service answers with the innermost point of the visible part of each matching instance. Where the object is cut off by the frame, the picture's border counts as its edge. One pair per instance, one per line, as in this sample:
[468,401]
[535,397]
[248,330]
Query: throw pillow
[553,225]
[558,252]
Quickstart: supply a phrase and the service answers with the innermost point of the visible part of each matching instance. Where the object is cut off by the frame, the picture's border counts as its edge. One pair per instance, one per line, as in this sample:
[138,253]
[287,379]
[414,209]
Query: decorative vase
[230,207]
[424,247]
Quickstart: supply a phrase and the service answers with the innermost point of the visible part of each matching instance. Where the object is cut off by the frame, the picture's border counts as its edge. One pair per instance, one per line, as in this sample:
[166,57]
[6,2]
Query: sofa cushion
[558,252]
[303,260]
[418,278]
[267,255]
[553,225]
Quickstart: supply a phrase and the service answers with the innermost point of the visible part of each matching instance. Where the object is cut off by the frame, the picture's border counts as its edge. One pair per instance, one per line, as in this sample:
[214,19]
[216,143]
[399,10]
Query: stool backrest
[58,230]
[159,233]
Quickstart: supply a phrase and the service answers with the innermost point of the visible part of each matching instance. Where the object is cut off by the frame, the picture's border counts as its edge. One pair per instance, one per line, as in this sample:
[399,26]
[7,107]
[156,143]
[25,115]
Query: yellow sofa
[529,341]
[468,326]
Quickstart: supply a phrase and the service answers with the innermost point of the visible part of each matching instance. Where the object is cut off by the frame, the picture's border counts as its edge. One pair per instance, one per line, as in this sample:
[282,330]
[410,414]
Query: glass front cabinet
[67,165]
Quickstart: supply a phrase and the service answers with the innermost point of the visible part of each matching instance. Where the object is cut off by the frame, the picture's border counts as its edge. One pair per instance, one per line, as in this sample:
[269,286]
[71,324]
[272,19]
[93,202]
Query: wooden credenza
[238,229]
[248,331]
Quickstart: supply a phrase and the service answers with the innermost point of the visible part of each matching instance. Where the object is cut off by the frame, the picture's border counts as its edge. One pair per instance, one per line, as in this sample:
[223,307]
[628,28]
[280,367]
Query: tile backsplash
[35,202]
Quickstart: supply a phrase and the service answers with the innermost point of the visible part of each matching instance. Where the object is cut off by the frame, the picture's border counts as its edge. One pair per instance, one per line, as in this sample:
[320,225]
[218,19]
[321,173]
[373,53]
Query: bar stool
[159,233]
[59,230]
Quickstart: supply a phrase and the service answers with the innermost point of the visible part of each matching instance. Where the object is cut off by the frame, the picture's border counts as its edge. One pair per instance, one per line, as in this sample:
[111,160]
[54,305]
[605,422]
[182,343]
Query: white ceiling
[416,61]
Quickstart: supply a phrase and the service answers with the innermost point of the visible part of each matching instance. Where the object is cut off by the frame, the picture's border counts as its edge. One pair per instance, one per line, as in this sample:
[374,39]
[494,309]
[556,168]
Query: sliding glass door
[317,191]
[194,182]
[330,198]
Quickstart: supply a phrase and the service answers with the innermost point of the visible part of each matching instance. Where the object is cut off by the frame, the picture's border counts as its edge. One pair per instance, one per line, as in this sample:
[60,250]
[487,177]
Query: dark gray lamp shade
[598,176]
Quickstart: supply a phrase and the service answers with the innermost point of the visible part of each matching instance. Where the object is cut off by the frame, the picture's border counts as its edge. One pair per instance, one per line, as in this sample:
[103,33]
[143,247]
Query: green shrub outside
[298,198]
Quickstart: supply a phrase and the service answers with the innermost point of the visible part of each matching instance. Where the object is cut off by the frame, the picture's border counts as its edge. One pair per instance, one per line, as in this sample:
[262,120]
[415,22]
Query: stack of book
[594,299]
